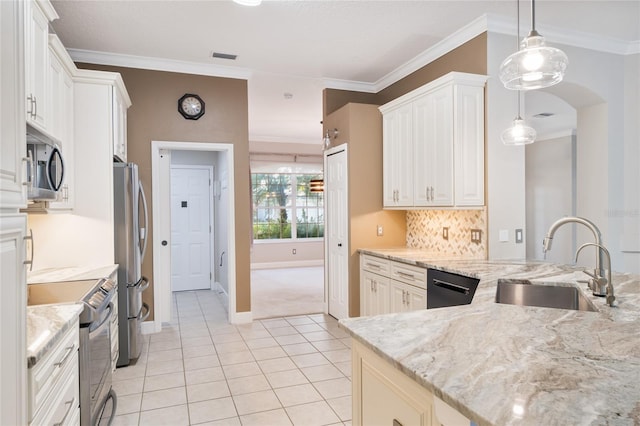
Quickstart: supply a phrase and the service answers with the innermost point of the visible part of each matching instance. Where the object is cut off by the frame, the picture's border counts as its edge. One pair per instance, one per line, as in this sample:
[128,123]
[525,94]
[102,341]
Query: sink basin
[547,296]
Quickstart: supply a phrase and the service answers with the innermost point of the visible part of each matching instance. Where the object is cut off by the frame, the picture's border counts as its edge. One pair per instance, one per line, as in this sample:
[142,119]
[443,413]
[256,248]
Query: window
[284,208]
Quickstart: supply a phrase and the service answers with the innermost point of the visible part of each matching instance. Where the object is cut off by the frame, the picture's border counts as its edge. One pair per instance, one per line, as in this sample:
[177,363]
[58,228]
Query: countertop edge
[46,324]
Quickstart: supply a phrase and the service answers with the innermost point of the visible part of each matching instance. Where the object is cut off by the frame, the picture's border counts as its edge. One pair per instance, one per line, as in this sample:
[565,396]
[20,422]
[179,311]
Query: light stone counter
[70,274]
[46,324]
[502,364]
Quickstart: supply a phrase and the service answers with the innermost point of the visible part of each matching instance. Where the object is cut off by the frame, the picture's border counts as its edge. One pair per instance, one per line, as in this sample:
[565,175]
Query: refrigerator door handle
[144,284]
[146,314]
[143,230]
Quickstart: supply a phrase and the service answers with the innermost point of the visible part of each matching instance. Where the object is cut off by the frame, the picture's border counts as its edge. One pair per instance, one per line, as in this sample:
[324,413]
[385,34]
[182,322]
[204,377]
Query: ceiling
[298,47]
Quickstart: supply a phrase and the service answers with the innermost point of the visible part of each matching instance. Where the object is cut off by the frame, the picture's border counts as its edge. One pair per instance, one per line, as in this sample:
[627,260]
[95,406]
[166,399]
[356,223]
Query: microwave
[45,169]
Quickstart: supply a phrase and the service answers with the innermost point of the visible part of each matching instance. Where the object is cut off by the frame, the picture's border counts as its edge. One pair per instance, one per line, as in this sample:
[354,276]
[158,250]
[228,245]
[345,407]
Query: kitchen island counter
[502,364]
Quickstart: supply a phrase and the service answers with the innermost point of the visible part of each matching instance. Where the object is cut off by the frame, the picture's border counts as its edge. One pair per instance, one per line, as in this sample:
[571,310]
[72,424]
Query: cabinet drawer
[413,275]
[45,374]
[61,404]
[374,264]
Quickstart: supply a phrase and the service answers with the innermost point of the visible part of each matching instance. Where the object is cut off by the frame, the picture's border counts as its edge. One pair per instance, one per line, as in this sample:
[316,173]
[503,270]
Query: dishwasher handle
[451,286]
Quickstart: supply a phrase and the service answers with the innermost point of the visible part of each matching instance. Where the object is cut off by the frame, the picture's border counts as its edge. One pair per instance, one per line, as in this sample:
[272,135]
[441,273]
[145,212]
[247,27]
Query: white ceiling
[300,47]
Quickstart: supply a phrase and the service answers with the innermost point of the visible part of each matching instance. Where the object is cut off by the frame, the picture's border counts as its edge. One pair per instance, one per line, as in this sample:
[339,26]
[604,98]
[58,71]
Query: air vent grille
[220,55]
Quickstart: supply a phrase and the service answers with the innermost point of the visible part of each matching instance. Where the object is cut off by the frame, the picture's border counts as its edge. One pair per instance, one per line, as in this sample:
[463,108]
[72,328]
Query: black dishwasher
[448,289]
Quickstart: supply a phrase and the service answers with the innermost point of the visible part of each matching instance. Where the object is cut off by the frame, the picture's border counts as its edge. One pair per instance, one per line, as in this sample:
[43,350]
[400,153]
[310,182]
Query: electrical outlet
[293,251]
[445,233]
[476,236]
[518,236]
[379,231]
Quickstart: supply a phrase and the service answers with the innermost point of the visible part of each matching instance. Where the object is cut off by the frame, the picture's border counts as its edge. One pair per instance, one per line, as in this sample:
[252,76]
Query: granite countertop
[501,364]
[70,274]
[46,324]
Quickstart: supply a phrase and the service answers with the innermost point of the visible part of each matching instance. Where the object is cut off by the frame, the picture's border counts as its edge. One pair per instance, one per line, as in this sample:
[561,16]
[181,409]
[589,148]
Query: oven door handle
[105,323]
[146,314]
[450,286]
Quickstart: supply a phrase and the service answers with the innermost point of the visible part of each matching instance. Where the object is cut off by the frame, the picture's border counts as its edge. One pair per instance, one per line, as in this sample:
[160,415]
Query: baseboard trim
[294,264]
[149,327]
[242,318]
[222,292]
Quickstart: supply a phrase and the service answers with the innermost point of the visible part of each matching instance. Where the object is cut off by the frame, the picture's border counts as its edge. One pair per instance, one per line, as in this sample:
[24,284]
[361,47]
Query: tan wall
[471,57]
[360,127]
[154,116]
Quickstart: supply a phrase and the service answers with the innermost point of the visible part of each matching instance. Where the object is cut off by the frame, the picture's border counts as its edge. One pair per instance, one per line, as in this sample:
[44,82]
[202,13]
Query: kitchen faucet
[608,282]
[598,283]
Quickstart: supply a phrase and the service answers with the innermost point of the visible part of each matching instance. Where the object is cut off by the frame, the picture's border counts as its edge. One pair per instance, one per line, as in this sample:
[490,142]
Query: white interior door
[191,228]
[337,240]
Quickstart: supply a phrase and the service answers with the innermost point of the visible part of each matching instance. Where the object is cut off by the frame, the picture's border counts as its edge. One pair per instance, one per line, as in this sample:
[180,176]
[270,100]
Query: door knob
[339,244]
[164,242]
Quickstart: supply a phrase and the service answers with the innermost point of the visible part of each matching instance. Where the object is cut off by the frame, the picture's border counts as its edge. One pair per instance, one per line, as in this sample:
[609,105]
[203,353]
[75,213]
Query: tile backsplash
[424,231]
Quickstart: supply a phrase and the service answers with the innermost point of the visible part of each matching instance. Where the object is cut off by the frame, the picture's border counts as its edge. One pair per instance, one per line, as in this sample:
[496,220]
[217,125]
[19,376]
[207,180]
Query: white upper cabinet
[38,14]
[398,157]
[433,144]
[61,72]
[120,104]
[13,194]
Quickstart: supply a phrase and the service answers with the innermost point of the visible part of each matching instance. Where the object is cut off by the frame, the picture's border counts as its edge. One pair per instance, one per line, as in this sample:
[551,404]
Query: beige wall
[154,116]
[471,57]
[360,127]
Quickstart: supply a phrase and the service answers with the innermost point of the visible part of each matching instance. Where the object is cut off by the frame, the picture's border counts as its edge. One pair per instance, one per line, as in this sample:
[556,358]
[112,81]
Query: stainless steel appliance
[94,358]
[45,168]
[447,289]
[130,218]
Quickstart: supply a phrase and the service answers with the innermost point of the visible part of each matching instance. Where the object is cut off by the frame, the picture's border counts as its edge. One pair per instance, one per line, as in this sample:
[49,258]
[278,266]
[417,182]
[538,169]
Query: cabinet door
[433,141]
[13,304]
[398,157]
[416,298]
[374,294]
[383,395]
[469,145]
[12,131]
[36,64]
[64,102]
[397,297]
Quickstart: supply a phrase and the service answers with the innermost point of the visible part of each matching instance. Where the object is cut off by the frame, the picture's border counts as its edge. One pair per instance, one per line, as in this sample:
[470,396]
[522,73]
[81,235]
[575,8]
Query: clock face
[191,106]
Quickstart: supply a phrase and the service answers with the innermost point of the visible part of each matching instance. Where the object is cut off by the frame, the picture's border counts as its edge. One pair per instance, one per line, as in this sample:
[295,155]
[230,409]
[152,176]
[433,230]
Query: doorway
[191,227]
[223,199]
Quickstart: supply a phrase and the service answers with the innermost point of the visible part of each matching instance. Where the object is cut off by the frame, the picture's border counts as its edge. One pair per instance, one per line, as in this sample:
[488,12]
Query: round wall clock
[191,106]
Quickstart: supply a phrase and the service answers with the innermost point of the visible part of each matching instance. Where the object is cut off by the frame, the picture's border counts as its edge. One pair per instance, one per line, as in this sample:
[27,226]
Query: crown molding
[158,64]
[356,86]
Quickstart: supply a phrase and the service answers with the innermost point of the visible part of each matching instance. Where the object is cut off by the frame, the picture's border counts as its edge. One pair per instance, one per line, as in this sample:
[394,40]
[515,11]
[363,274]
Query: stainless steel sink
[523,292]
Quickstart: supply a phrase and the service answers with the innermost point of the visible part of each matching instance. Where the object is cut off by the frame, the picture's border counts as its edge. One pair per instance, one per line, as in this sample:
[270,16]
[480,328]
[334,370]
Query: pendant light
[535,65]
[519,133]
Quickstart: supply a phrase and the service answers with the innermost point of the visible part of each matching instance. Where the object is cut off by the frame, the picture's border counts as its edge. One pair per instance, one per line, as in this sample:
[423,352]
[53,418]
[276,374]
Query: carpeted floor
[287,292]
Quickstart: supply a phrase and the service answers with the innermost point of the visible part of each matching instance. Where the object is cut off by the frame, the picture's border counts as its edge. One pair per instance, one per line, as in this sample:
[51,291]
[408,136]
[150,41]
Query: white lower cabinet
[387,286]
[53,383]
[385,396]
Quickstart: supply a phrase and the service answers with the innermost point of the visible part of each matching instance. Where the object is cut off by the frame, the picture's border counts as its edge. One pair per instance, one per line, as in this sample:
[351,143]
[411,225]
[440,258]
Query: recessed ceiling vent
[544,115]
[224,56]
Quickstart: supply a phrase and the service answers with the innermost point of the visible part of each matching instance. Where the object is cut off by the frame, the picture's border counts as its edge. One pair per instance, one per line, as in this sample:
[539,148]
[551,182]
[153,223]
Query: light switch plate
[518,236]
[445,233]
[503,235]
[380,231]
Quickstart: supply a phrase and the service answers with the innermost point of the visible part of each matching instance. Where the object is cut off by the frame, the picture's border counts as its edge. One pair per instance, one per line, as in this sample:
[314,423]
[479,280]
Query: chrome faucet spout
[590,225]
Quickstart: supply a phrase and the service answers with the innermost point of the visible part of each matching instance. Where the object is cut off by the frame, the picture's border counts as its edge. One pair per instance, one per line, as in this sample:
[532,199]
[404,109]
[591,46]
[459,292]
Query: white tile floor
[203,370]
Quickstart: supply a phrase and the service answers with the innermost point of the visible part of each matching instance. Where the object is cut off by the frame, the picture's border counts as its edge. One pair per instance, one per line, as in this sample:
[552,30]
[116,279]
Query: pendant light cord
[533,16]
[518,43]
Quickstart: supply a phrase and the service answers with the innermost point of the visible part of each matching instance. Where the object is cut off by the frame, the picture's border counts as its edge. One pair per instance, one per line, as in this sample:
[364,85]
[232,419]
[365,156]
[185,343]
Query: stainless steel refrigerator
[131,219]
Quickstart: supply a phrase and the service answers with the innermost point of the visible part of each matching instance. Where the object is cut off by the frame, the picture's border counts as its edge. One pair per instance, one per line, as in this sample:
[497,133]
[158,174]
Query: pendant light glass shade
[534,66]
[518,134]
